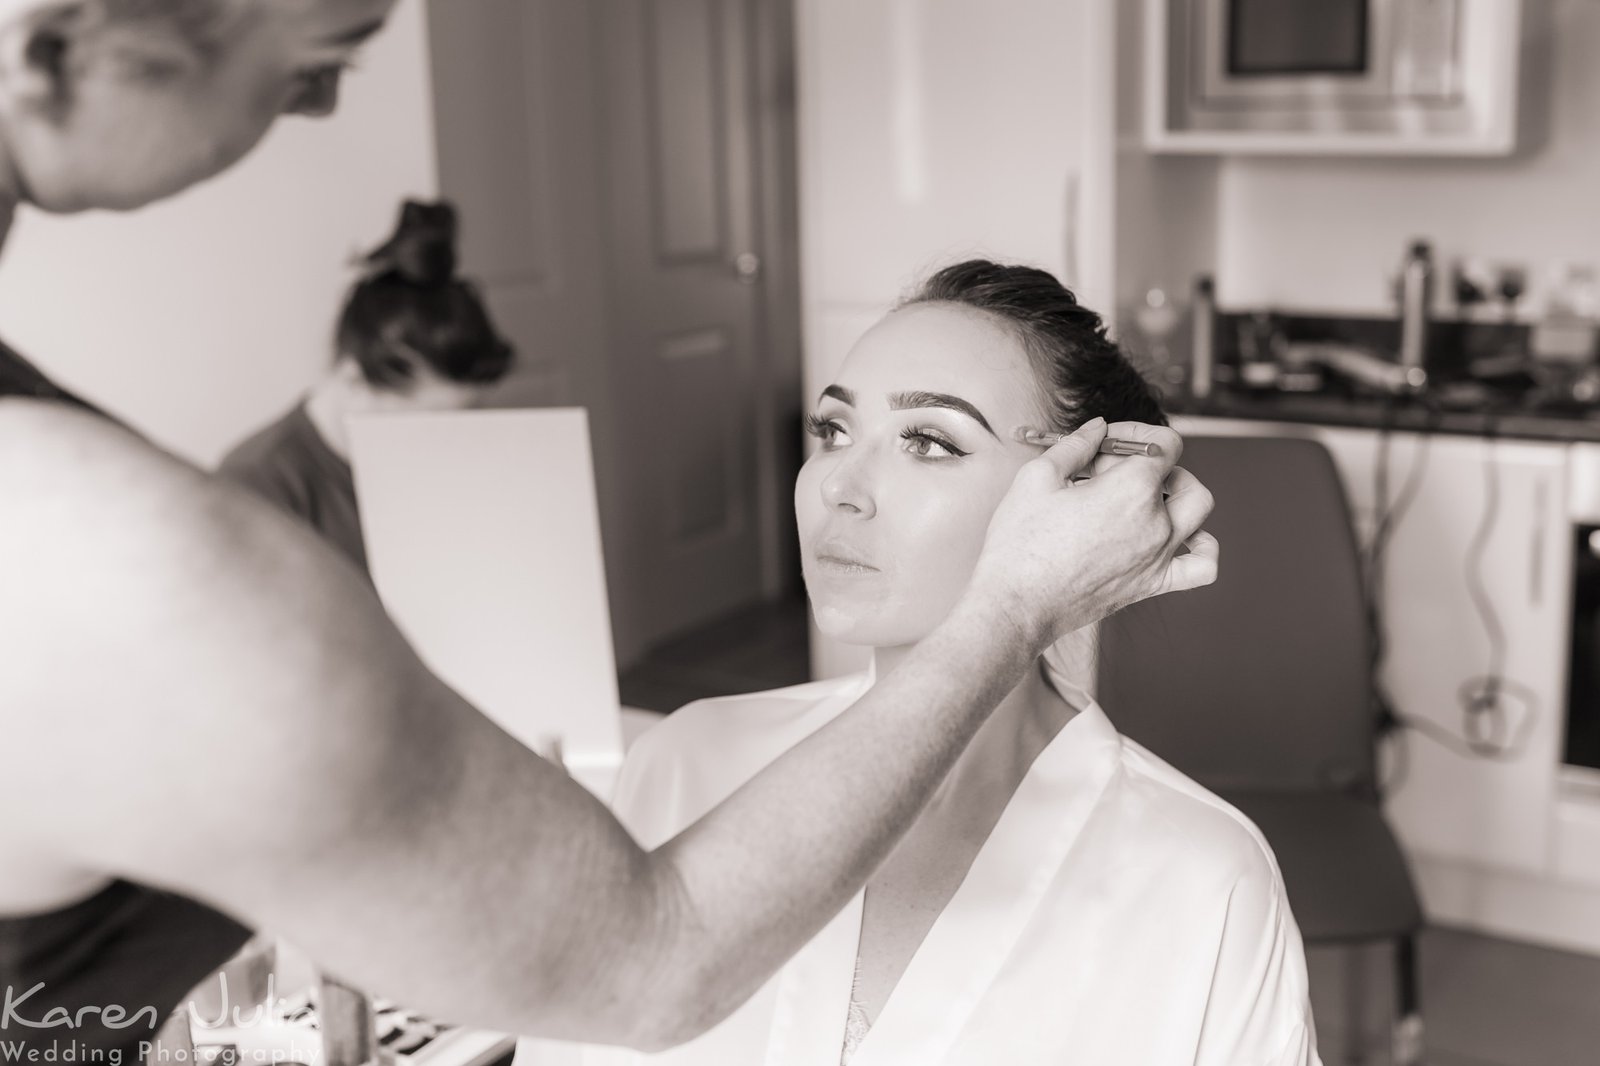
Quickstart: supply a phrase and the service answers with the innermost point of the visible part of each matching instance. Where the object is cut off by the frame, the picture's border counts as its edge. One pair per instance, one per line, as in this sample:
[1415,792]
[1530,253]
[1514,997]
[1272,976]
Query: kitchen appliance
[1582,745]
[1378,75]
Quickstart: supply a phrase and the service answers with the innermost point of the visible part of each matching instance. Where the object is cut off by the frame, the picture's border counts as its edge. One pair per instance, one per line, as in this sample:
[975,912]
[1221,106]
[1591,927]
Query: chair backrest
[1262,680]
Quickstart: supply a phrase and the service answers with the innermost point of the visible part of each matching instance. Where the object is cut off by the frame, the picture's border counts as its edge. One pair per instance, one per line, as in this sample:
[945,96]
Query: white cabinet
[1485,812]
[1443,602]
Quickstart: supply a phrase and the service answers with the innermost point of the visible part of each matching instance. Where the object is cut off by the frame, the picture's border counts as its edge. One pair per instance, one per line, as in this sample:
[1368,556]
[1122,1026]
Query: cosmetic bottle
[1202,349]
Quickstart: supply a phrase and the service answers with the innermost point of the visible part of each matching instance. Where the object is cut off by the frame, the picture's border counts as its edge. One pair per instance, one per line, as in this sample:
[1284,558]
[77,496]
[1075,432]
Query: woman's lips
[840,561]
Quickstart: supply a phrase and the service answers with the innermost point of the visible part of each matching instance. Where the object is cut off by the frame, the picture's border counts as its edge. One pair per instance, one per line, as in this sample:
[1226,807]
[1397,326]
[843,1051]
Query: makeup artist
[412,336]
[175,652]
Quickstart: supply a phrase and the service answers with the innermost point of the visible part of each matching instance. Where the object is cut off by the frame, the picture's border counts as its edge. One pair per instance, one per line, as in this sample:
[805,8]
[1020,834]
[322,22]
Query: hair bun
[422,249]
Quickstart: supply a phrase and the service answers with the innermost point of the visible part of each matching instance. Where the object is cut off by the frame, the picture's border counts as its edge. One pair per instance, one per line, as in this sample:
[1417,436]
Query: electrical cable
[1387,515]
[1487,731]
[1486,727]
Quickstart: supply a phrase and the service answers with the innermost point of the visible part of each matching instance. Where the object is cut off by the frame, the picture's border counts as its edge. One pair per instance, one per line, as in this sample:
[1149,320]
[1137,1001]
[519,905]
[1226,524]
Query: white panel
[484,541]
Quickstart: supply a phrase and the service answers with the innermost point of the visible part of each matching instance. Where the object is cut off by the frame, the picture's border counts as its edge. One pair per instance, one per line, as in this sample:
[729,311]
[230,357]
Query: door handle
[747,267]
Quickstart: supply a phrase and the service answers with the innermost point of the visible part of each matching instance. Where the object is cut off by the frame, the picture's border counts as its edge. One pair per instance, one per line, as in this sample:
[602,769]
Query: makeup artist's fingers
[1163,437]
[1061,461]
[1197,567]
[1189,504]
[1154,466]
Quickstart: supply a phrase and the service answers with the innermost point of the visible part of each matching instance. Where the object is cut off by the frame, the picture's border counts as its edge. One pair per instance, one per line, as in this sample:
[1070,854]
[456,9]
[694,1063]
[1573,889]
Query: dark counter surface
[1364,412]
[1526,405]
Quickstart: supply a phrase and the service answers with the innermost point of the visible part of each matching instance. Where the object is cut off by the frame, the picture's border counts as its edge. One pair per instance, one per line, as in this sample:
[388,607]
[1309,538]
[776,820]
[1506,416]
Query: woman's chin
[863,629]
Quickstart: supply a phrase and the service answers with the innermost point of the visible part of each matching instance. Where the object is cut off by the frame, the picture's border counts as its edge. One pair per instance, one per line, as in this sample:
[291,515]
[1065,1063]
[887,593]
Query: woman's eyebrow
[840,393]
[907,401]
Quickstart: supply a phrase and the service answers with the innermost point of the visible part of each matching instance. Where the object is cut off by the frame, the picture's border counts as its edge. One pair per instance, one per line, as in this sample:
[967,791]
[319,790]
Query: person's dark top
[92,982]
[291,465]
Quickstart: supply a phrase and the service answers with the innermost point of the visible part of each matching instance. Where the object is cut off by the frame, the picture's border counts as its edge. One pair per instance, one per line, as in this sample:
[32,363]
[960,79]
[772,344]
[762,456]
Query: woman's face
[134,112]
[915,452]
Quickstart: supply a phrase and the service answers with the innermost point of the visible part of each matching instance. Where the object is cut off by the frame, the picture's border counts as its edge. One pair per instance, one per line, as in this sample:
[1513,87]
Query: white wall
[1328,234]
[936,130]
[200,318]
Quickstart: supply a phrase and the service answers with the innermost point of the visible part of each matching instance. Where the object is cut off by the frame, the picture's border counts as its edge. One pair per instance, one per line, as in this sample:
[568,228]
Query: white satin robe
[1118,914]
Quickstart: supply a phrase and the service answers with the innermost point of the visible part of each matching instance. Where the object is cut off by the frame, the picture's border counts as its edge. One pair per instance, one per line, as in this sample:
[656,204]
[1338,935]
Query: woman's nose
[847,487]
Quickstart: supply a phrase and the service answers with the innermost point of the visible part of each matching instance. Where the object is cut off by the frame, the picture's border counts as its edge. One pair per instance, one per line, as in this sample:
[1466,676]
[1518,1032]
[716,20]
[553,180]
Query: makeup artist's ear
[47,54]
[37,52]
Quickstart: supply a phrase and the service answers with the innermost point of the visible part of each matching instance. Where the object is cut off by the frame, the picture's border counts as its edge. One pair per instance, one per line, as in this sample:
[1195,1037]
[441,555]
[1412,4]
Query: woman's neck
[10,189]
[1005,746]
[327,404]
[8,210]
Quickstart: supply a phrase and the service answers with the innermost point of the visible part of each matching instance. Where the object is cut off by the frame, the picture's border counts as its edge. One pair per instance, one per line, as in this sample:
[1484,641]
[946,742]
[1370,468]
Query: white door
[622,173]
[684,266]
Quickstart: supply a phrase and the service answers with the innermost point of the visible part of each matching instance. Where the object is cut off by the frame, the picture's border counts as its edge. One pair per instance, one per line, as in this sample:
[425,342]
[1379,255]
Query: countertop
[1374,412]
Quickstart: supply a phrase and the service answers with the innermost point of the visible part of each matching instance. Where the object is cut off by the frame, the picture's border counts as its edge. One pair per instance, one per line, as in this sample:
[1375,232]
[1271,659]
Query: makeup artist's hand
[1059,556]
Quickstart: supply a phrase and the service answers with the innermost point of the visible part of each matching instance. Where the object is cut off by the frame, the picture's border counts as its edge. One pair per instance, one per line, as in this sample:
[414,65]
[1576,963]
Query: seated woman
[1068,897]
[412,337]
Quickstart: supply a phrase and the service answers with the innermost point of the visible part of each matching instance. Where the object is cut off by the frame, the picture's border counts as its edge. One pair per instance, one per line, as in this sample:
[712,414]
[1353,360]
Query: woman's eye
[827,431]
[316,89]
[925,445]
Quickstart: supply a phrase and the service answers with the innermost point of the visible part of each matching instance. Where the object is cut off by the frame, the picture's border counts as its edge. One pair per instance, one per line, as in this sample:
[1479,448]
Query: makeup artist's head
[915,443]
[115,103]
[413,335]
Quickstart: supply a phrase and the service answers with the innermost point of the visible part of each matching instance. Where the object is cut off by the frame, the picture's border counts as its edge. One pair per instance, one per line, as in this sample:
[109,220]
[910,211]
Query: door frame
[780,358]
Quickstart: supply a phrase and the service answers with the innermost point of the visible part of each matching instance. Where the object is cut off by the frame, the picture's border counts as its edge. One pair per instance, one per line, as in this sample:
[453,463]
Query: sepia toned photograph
[800,532]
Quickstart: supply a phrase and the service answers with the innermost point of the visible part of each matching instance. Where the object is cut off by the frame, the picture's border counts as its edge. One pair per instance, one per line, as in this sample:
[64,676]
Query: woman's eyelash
[341,66]
[932,438]
[824,429]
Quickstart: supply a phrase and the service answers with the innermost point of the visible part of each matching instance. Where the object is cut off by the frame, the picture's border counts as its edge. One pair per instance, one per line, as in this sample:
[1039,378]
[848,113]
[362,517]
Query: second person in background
[413,336]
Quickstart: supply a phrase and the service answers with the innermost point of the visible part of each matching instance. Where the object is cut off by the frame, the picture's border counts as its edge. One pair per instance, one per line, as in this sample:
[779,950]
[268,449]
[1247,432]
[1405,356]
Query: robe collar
[969,942]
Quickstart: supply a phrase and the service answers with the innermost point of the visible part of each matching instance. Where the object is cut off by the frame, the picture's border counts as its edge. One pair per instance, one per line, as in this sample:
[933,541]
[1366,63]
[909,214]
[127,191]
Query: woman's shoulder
[1209,870]
[1196,829]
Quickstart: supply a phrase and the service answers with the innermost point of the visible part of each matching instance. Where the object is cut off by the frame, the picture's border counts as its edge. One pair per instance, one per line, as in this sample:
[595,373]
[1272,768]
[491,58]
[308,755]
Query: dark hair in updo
[1081,371]
[411,306]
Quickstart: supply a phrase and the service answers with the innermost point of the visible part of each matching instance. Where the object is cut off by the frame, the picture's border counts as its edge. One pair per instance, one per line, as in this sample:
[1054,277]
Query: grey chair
[1260,688]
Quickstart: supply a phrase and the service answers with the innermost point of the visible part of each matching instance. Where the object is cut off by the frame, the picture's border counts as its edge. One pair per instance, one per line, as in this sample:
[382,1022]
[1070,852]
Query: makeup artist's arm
[212,701]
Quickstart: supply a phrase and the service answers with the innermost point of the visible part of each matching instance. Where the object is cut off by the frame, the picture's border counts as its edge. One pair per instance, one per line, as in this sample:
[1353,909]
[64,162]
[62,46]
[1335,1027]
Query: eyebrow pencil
[1109,446]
